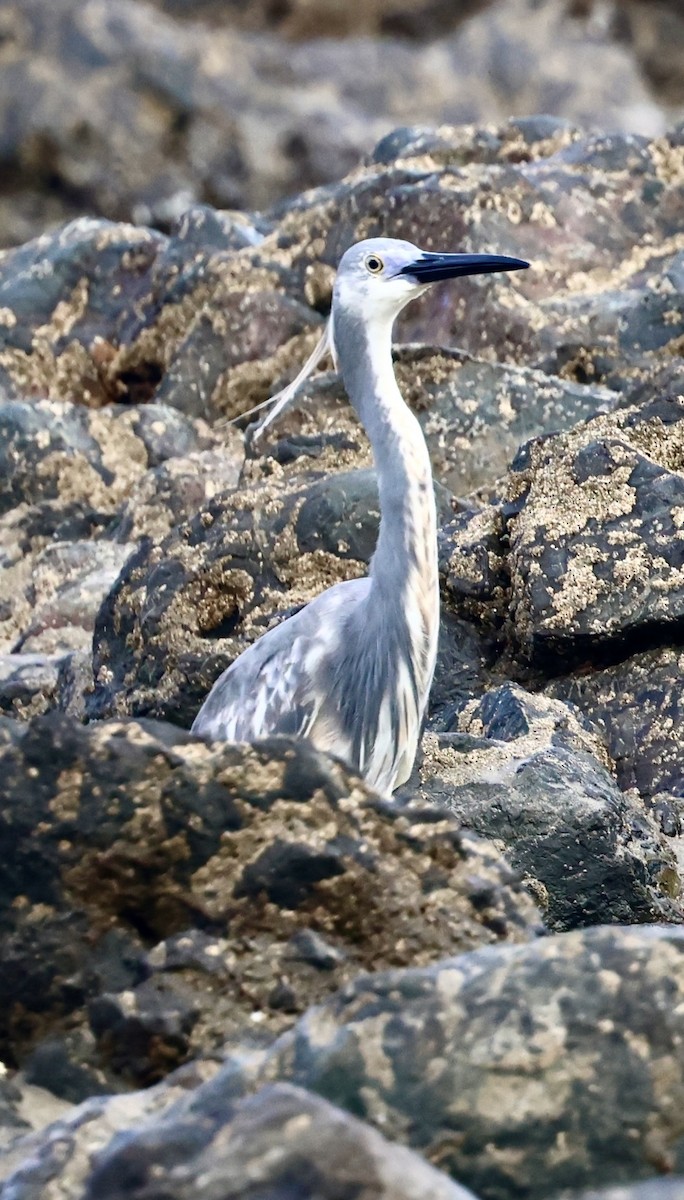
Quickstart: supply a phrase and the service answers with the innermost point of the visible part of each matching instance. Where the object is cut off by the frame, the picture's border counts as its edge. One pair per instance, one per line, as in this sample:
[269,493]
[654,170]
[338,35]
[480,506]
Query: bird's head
[375,280]
[378,277]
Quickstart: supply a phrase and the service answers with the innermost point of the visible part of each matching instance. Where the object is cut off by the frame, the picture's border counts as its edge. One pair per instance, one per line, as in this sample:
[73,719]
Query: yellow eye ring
[373,264]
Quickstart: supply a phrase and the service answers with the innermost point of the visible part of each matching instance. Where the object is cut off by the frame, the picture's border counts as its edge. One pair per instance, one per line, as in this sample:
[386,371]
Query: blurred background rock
[132,110]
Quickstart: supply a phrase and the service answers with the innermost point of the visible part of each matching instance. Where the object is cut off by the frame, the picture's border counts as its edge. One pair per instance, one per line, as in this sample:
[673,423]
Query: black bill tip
[430,268]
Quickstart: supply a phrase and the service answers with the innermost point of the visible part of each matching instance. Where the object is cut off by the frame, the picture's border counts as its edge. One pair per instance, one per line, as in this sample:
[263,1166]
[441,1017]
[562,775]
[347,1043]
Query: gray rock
[124,840]
[28,683]
[321,1152]
[636,704]
[508,1046]
[58,450]
[12,1124]
[658,1188]
[41,1160]
[523,770]
[578,1034]
[596,551]
[284,1139]
[474,413]
[166,113]
[52,598]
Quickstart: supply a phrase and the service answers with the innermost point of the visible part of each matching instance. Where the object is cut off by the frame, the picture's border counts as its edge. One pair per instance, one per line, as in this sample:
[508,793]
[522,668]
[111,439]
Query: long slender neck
[404,567]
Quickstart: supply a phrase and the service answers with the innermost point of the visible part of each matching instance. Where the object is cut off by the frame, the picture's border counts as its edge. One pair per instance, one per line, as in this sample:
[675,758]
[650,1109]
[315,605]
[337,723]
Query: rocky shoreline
[215,951]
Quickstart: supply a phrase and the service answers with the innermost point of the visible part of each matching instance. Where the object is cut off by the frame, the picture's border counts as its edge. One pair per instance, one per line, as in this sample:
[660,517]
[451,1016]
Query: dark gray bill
[429,268]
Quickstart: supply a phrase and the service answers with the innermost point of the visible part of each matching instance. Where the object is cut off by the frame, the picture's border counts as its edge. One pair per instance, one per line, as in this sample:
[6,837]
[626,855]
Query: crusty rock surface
[121,110]
[578,1035]
[523,770]
[543,1068]
[636,705]
[168,891]
[227,1151]
[169,907]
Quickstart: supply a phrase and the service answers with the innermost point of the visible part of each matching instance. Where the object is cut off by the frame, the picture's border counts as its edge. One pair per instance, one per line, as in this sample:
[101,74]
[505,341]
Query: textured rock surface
[131,315]
[184,607]
[580,1033]
[636,703]
[175,890]
[541,1068]
[121,110]
[474,413]
[163,900]
[322,1152]
[523,770]
[597,549]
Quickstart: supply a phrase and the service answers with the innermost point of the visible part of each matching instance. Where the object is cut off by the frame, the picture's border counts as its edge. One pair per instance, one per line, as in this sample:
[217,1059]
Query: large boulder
[568,1050]
[546,1068]
[284,1140]
[575,566]
[523,770]
[160,893]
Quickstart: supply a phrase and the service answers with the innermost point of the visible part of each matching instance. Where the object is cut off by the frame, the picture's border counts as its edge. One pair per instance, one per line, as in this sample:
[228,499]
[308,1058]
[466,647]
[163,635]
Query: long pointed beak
[429,268]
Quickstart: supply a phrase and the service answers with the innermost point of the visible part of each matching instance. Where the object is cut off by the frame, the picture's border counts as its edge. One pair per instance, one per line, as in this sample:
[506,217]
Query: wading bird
[352,670]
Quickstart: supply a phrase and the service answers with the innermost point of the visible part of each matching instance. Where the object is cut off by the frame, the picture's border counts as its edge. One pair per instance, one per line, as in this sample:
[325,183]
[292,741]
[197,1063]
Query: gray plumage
[352,670]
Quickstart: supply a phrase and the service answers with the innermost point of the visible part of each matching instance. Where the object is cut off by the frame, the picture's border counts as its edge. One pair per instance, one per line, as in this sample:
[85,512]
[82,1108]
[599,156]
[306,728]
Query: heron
[351,671]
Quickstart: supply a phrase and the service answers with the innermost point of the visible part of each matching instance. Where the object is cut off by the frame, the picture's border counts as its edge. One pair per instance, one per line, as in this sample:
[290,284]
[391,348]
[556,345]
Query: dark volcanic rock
[597,549]
[52,450]
[637,705]
[131,835]
[322,1152]
[580,1033]
[577,1036]
[184,608]
[212,329]
[195,1147]
[522,769]
[28,683]
[474,414]
[121,110]
[40,1160]
[130,316]
[77,486]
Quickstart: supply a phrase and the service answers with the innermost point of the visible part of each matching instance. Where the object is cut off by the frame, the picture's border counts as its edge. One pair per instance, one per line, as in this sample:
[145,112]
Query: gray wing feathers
[275,686]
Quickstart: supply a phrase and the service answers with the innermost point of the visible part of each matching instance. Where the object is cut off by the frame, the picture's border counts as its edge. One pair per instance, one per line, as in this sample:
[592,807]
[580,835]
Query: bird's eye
[374,264]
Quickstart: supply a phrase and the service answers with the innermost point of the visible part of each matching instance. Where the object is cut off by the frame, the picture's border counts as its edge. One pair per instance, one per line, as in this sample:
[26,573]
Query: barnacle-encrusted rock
[546,1048]
[523,770]
[58,450]
[474,414]
[120,110]
[76,487]
[597,548]
[226,1148]
[637,705]
[544,1068]
[576,565]
[132,315]
[131,834]
[319,1146]
[186,606]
